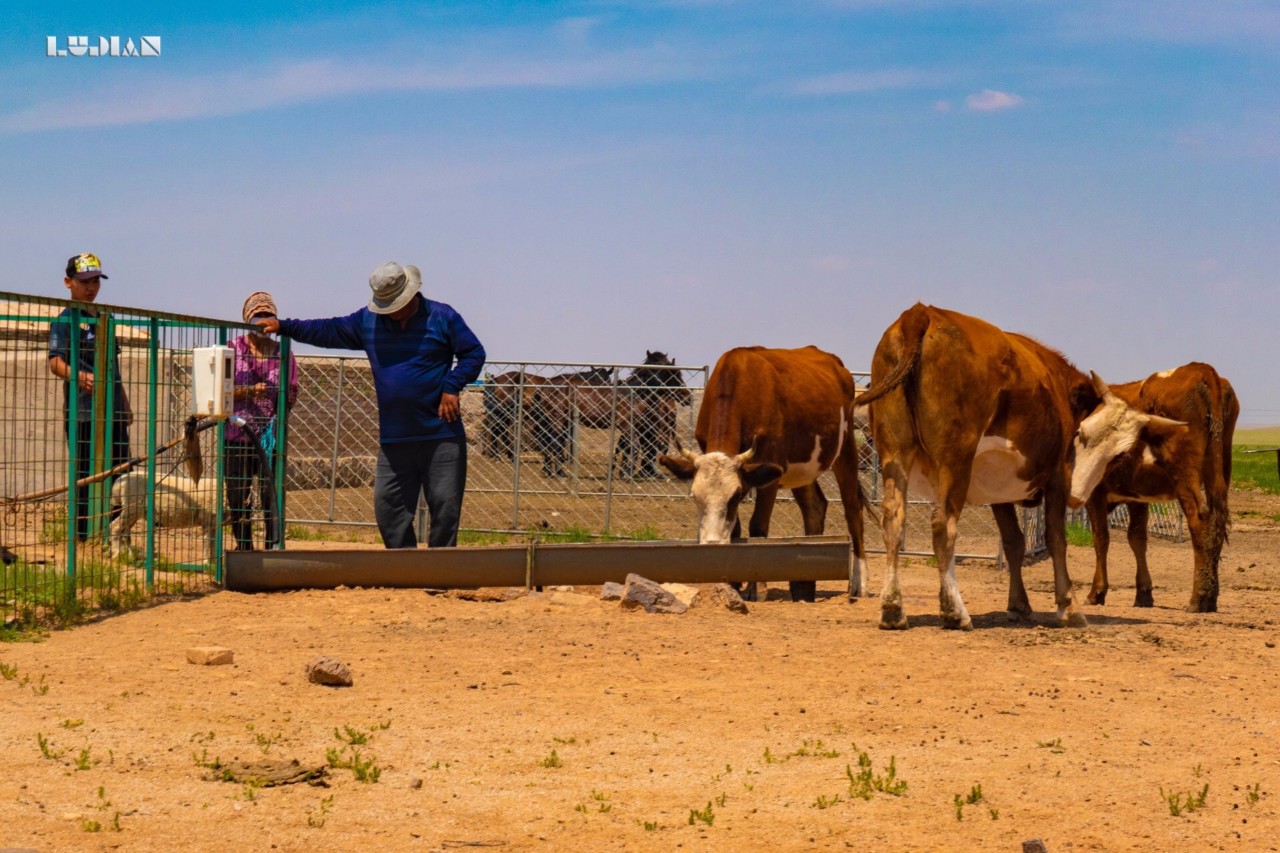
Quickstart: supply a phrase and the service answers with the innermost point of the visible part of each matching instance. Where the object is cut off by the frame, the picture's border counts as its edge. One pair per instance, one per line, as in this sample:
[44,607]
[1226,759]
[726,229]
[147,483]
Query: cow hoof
[1073,619]
[1097,598]
[1020,616]
[893,620]
[1203,605]
[1144,599]
[951,623]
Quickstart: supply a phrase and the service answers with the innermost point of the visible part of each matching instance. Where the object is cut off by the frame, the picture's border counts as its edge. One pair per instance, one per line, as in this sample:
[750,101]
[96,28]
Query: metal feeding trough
[821,558]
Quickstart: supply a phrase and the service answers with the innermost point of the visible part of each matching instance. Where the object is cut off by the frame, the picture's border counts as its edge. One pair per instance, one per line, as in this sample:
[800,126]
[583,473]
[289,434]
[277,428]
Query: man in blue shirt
[412,343]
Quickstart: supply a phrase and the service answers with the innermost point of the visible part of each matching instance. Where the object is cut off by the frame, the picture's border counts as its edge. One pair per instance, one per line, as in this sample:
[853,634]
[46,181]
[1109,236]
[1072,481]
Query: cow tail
[1222,423]
[913,324]
[866,501]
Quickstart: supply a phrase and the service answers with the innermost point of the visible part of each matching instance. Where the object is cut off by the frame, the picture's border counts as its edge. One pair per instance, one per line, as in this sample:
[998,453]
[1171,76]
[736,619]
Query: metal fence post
[517,443]
[613,443]
[337,431]
[153,394]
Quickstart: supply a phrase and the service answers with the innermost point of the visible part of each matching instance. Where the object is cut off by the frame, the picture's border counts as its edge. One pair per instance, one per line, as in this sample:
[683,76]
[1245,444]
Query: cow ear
[757,475]
[1158,428]
[681,466]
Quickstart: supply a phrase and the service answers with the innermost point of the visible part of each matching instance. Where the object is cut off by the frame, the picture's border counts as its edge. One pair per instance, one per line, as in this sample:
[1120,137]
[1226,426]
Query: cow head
[720,482]
[1112,430]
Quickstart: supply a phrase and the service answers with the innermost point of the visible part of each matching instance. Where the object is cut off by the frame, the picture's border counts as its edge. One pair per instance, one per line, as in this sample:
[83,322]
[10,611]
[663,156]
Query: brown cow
[1192,466]
[774,419]
[972,414]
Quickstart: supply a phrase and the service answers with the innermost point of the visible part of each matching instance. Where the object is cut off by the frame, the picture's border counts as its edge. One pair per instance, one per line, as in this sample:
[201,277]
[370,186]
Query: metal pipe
[537,565]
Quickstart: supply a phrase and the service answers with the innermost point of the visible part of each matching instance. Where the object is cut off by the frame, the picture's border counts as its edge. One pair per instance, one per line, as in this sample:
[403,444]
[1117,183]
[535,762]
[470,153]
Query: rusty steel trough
[821,558]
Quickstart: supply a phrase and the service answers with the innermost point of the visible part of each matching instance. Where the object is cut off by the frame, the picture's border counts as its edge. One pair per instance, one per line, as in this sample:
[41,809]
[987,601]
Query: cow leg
[1097,508]
[757,528]
[893,513]
[845,468]
[1204,580]
[813,509]
[1015,551]
[946,518]
[1055,535]
[1138,515]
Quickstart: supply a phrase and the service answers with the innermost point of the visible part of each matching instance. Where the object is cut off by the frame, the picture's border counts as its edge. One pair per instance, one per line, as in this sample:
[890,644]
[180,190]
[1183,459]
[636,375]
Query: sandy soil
[561,722]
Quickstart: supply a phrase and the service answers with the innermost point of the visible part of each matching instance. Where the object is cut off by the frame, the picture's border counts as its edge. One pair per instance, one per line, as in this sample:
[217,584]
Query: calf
[1191,465]
[773,419]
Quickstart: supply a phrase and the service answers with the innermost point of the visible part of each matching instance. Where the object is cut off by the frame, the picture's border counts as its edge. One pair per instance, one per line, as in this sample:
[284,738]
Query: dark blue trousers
[405,469]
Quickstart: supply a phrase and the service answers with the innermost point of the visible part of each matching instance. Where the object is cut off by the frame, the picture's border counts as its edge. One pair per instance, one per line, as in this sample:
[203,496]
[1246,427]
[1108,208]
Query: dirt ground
[560,722]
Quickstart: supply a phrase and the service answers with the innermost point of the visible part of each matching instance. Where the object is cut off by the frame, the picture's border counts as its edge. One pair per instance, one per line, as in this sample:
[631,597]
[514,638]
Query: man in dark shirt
[412,343]
[83,279]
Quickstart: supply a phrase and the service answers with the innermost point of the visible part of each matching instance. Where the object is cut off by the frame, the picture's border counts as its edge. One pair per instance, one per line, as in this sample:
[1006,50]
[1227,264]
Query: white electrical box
[213,382]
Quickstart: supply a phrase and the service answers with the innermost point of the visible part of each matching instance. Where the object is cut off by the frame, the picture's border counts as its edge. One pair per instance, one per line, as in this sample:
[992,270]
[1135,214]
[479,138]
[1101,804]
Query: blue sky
[588,180]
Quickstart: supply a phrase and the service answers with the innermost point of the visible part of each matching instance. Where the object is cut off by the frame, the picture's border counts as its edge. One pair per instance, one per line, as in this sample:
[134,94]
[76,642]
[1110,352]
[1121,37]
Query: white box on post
[213,382]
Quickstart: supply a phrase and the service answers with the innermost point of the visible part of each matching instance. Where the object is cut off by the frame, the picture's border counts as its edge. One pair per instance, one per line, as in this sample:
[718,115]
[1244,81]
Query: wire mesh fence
[97,509]
[556,451]
[1163,519]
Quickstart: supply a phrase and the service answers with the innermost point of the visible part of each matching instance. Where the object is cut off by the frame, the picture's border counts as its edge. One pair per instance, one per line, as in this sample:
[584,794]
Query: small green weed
[824,802]
[551,761]
[1055,746]
[565,741]
[8,671]
[84,760]
[972,799]
[1253,793]
[71,724]
[364,768]
[1185,802]
[651,825]
[865,782]
[705,816]
[47,750]
[316,818]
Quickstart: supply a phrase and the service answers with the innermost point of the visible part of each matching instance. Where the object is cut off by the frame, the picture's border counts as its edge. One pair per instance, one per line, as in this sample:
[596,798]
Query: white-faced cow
[774,419]
[1188,462]
[967,413]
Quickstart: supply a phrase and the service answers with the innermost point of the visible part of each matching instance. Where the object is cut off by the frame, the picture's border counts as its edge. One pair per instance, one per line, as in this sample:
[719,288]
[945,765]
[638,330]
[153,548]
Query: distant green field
[1256,470]
[1258,436]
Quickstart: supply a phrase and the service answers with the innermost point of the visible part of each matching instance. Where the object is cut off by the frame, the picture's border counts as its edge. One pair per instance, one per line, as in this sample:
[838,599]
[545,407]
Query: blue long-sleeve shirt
[412,366]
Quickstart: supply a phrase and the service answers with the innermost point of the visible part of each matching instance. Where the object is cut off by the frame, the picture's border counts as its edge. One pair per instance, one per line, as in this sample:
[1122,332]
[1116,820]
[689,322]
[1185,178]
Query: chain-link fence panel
[1163,519]
[99,510]
[559,449]
[566,449]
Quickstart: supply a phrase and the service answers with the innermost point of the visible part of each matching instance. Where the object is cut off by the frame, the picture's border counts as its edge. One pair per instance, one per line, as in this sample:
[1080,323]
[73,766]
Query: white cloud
[989,100]
[576,30]
[942,106]
[175,99]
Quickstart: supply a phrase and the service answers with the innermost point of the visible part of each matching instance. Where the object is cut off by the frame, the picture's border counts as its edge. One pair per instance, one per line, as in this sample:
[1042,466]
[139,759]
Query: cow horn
[1101,387]
[745,456]
[687,454]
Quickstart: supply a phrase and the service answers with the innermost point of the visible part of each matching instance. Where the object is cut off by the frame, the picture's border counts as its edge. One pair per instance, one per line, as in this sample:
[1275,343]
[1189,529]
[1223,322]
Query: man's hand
[84,379]
[269,325]
[448,410]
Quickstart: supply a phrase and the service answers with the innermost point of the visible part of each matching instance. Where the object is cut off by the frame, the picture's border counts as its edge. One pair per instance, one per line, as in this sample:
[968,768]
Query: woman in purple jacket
[257,384]
[422,354]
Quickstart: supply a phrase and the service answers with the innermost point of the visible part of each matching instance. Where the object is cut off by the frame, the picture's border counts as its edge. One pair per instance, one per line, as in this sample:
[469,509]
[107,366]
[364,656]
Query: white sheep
[180,502]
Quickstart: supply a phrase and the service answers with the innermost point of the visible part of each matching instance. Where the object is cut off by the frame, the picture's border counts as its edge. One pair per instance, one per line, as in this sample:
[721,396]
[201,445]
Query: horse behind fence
[544,411]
